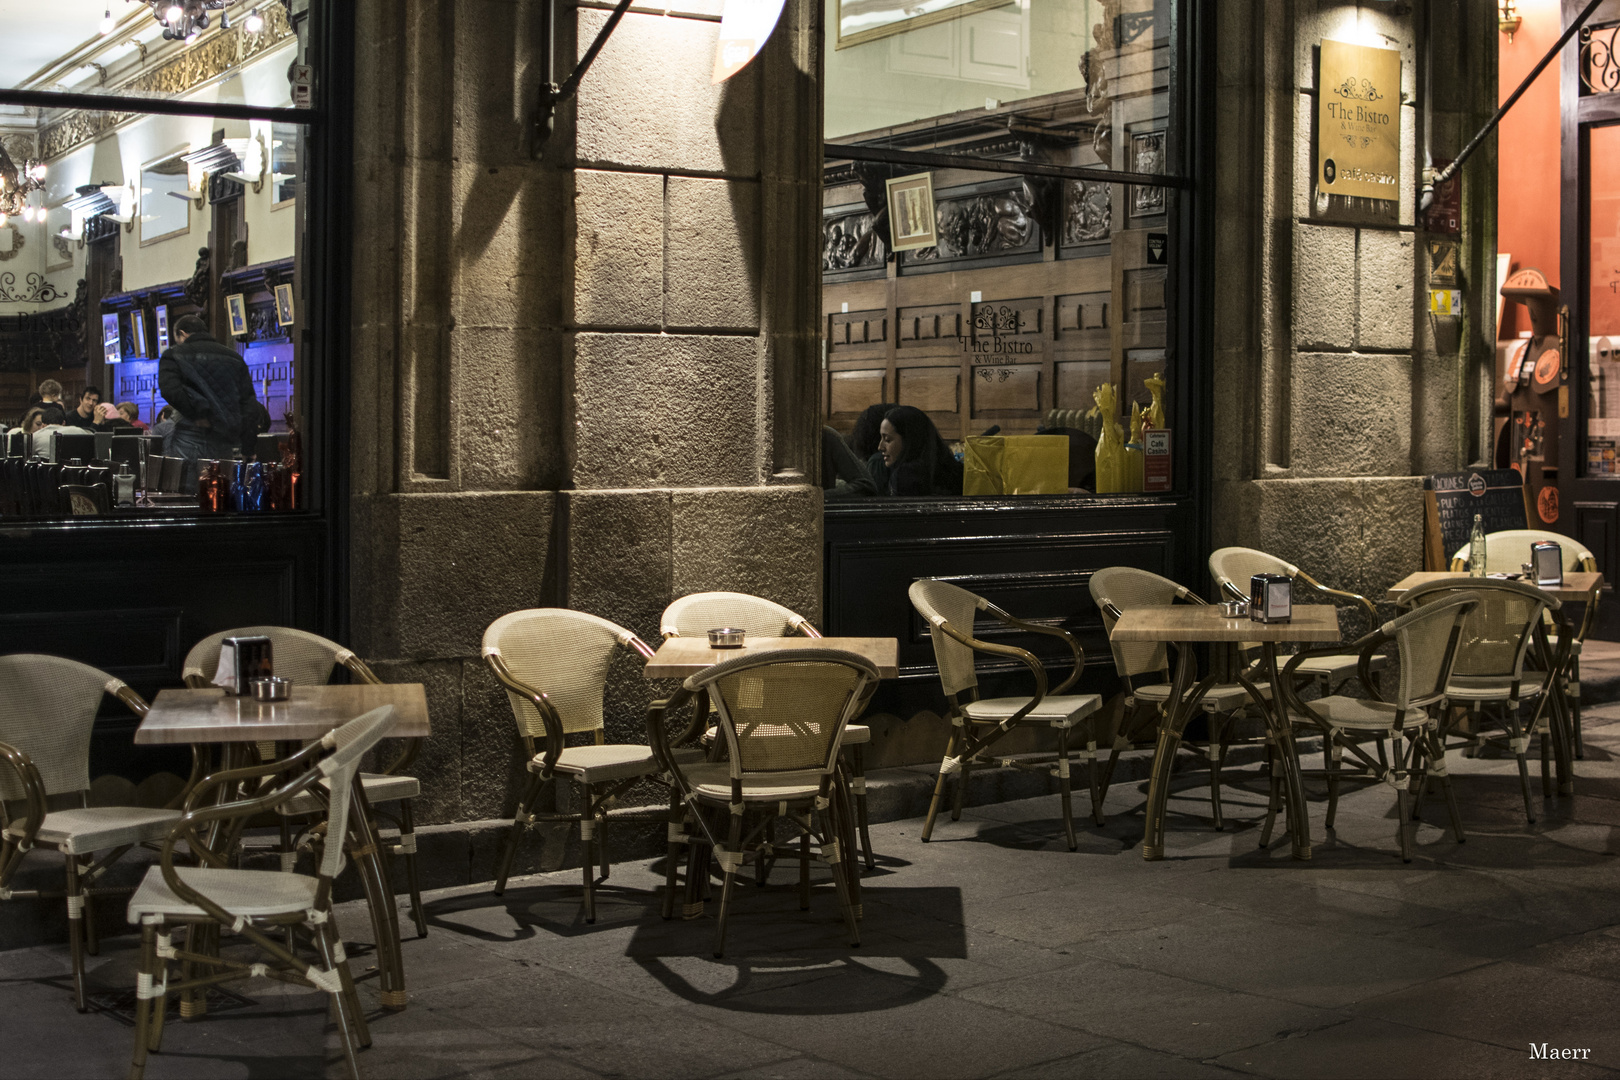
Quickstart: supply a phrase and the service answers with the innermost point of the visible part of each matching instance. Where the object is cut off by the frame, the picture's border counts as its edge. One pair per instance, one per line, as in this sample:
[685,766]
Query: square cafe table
[1185,624]
[210,716]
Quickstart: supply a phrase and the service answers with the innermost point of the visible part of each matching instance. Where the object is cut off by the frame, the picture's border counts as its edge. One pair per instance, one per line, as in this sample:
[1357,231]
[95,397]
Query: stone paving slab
[993,951]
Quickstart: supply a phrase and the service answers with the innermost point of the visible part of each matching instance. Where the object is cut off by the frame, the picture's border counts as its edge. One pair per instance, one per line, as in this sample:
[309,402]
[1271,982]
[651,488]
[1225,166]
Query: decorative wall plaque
[911,212]
[1358,121]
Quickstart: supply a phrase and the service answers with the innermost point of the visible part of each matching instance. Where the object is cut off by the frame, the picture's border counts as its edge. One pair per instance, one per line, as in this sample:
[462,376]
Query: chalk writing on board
[1496,495]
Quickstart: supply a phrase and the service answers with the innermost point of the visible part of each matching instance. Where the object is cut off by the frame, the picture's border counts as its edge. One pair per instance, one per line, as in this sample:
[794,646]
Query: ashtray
[1234,609]
[725,637]
[273,689]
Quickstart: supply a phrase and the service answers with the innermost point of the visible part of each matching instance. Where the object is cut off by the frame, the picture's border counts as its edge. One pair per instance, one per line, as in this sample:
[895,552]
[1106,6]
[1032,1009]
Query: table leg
[1178,710]
[1558,717]
[1276,714]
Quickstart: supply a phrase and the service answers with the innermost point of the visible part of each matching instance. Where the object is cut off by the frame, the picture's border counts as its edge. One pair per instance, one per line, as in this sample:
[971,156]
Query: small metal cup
[272,689]
[725,637]
[1234,609]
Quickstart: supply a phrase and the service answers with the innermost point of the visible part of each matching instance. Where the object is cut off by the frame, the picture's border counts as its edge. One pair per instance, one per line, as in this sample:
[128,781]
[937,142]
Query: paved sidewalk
[991,951]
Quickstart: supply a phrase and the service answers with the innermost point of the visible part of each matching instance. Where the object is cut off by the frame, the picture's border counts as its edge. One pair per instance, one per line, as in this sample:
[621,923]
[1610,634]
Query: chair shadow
[555,909]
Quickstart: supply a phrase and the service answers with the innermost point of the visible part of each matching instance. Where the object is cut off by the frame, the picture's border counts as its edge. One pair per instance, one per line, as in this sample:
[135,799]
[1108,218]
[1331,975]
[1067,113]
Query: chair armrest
[1024,656]
[1349,597]
[1364,646]
[33,794]
[133,701]
[249,772]
[359,669]
[803,626]
[548,712]
[1048,631]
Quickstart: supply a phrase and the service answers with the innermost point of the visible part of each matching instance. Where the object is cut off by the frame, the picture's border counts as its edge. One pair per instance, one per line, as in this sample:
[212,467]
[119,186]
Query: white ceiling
[38,32]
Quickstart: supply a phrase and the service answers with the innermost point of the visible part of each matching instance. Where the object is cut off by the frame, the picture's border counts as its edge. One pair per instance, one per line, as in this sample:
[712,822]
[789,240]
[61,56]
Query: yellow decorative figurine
[1133,449]
[1110,443]
[1155,413]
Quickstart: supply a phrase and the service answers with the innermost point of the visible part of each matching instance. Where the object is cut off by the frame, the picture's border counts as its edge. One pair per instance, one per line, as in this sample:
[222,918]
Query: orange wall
[1527,214]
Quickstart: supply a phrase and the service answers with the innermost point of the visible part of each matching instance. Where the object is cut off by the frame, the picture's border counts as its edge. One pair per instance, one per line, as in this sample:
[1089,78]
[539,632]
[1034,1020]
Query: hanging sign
[1358,121]
[745,26]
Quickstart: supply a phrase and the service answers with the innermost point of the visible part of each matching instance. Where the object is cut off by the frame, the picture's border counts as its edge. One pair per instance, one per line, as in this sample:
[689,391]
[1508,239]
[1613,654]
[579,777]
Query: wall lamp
[1507,18]
[553,93]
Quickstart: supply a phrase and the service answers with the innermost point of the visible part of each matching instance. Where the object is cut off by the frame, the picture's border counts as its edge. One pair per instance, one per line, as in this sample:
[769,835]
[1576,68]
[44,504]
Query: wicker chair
[1116,590]
[310,659]
[976,724]
[253,903]
[697,614]
[554,665]
[1489,669]
[783,715]
[1426,640]
[48,707]
[1505,553]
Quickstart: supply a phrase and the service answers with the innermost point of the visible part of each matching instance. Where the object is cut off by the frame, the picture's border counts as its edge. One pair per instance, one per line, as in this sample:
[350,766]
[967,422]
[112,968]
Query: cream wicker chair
[48,707]
[254,903]
[1490,664]
[977,724]
[1231,567]
[783,715]
[697,614]
[554,665]
[1116,590]
[1505,553]
[309,659]
[1426,640]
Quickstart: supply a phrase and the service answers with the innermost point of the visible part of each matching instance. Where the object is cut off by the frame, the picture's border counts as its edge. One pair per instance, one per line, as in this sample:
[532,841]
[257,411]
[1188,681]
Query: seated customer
[32,421]
[108,418]
[863,437]
[84,416]
[131,412]
[842,474]
[164,422]
[913,457]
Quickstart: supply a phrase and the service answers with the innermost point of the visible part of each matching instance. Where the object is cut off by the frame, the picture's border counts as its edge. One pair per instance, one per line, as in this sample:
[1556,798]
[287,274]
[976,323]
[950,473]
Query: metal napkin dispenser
[1547,563]
[241,660]
[1271,598]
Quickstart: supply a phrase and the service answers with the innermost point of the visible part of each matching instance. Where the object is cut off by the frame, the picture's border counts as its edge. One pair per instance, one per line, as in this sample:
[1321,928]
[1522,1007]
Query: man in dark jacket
[210,388]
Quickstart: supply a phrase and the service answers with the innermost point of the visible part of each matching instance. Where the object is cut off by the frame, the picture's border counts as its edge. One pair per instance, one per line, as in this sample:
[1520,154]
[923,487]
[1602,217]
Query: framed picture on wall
[137,327]
[111,347]
[911,212]
[1147,156]
[236,309]
[161,316]
[284,306]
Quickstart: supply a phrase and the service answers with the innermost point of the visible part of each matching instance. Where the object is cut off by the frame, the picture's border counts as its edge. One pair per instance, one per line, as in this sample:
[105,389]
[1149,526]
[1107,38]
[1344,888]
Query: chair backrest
[786,711]
[1427,638]
[1125,588]
[48,707]
[1496,635]
[564,655]
[1232,567]
[307,659]
[941,602]
[170,472]
[1507,551]
[349,744]
[697,614]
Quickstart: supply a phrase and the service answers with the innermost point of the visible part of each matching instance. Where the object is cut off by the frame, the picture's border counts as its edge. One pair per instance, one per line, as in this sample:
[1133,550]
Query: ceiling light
[253,23]
[107,23]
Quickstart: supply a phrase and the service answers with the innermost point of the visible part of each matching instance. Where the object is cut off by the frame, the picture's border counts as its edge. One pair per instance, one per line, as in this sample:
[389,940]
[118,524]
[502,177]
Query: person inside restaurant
[911,458]
[84,415]
[212,391]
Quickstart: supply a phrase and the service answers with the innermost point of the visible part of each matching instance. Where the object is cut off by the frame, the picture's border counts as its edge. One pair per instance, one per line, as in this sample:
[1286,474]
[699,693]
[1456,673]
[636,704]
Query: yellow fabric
[1015,465]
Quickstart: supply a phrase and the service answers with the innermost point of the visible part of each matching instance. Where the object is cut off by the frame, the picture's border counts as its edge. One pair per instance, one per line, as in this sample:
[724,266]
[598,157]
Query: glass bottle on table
[1476,549]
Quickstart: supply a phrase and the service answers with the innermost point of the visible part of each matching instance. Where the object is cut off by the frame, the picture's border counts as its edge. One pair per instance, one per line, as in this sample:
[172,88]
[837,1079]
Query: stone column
[584,372]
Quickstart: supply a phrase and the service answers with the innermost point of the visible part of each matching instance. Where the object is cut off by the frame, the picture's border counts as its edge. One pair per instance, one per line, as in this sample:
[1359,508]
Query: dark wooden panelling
[1081,313]
[929,325]
[1006,391]
[853,330]
[1076,380]
[1596,526]
[931,389]
[853,391]
[1009,318]
[144,650]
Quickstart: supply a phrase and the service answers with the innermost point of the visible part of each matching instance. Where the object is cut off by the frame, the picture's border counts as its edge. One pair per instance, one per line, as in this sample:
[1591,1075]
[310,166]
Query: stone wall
[1328,374]
[582,378]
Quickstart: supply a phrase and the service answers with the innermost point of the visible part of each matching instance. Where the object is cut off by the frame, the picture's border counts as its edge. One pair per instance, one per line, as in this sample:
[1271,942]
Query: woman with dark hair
[913,458]
[863,438]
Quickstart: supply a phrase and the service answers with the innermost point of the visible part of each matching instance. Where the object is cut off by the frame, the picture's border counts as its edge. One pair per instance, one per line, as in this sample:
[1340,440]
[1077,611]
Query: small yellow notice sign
[1358,121]
[1445,302]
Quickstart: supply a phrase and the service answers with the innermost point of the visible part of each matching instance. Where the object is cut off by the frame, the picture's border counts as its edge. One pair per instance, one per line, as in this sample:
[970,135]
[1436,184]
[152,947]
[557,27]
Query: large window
[1005,223]
[170,165]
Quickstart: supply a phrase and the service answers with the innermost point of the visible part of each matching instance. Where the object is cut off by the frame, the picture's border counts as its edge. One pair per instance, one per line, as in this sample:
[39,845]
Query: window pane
[1072,82]
[1603,306]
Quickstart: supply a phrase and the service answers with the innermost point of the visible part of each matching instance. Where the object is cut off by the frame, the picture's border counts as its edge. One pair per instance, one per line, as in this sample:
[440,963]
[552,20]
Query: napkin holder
[1271,598]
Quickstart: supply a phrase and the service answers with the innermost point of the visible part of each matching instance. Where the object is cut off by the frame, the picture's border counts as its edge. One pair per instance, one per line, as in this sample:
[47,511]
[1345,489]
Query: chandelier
[15,185]
[183,20]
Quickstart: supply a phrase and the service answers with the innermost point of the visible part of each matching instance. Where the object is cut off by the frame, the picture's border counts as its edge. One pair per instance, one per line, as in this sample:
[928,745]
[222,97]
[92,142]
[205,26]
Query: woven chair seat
[1062,711]
[712,780]
[605,764]
[254,893]
[97,828]
[380,787]
[1337,668]
[1494,688]
[1221,699]
[1358,714]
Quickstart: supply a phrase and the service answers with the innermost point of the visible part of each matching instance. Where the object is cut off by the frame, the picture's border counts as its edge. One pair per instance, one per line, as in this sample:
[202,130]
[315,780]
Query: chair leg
[804,871]
[857,785]
[531,793]
[601,844]
[75,912]
[92,939]
[1574,694]
[1065,793]
[1437,769]
[939,783]
[147,980]
[154,1037]
[1094,776]
[1397,747]
[959,796]
[407,846]
[587,833]
[844,819]
[677,819]
[346,1014]
[1333,754]
[1216,750]
[1274,803]
[1546,767]
[1521,743]
[830,851]
[765,857]
[730,860]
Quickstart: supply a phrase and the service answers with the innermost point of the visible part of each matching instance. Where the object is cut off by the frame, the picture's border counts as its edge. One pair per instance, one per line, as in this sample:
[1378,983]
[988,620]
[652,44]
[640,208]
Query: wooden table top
[1578,584]
[679,657]
[1204,622]
[209,716]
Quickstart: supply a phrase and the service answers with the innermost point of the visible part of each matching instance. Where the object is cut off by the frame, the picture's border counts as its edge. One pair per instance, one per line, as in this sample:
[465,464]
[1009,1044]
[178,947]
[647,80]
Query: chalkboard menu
[1451,500]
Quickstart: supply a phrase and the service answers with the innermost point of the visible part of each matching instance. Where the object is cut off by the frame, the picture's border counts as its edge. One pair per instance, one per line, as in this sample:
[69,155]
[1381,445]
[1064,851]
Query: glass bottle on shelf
[1476,549]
